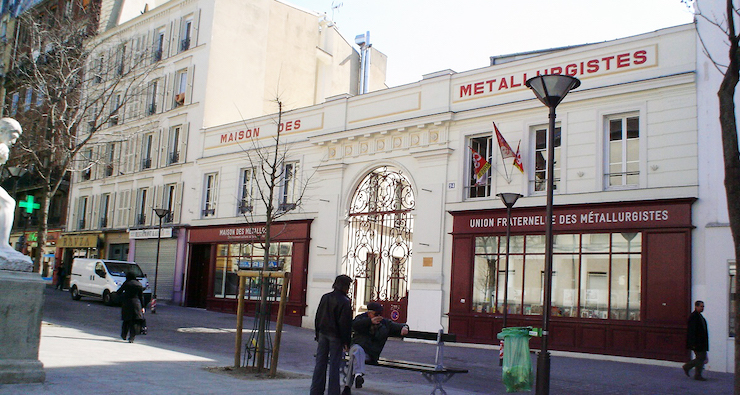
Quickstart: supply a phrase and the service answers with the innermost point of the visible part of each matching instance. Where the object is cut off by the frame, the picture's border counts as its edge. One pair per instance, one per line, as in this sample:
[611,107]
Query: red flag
[480,167]
[506,151]
[518,158]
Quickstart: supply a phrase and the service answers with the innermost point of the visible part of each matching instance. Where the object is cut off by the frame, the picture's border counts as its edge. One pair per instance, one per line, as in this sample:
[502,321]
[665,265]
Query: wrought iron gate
[379,236]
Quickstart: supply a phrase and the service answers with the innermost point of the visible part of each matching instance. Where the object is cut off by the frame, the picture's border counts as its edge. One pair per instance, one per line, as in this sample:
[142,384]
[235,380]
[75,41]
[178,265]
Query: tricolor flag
[518,159]
[480,167]
[506,151]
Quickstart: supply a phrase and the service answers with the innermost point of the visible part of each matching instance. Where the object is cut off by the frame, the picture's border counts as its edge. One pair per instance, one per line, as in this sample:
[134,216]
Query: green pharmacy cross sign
[29,205]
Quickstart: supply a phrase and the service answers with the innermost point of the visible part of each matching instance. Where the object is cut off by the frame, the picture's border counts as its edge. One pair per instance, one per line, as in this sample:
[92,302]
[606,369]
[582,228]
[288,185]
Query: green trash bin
[517,368]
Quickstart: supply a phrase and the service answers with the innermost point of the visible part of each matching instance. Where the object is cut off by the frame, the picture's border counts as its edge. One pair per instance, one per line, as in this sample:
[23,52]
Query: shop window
[623,151]
[539,179]
[479,162]
[249,256]
[209,194]
[595,276]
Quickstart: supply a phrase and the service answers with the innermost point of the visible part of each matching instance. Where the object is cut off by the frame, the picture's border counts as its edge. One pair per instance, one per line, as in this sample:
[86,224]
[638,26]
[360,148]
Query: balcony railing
[103,222]
[81,224]
[146,163]
[141,219]
[86,174]
[209,211]
[167,218]
[152,109]
[245,207]
[174,157]
[108,170]
[185,44]
[157,55]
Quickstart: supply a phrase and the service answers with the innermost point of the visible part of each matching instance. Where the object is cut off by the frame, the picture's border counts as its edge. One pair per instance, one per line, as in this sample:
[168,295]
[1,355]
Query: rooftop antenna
[334,7]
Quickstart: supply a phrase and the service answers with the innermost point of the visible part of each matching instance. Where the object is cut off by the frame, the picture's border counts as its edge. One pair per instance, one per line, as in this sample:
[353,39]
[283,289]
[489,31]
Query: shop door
[379,239]
[197,287]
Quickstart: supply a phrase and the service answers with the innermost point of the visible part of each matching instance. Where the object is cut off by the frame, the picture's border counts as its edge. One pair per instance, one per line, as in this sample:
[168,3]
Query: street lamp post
[161,213]
[509,199]
[550,90]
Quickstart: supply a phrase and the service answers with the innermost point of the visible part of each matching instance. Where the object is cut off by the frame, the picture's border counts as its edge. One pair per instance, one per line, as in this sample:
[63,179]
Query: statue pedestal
[21,307]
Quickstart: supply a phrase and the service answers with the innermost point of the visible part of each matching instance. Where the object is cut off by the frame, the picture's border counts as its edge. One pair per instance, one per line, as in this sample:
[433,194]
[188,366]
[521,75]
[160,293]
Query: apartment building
[203,63]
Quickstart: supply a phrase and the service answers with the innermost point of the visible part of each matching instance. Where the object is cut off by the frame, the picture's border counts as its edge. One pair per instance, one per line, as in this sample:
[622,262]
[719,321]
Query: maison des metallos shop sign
[589,217]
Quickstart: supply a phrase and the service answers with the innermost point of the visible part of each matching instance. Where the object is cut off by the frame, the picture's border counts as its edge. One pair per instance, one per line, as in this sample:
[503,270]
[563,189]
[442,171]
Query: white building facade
[392,199]
[207,63]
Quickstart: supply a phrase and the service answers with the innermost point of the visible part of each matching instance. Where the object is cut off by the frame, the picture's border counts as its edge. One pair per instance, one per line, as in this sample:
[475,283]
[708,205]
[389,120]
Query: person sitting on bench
[369,334]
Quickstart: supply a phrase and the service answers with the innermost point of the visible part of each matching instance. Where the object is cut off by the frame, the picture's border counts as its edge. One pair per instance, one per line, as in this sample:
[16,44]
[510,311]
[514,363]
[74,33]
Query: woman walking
[131,295]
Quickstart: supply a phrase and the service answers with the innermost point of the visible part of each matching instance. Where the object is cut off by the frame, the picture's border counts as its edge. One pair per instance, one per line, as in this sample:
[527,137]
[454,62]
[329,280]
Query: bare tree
[273,173]
[724,22]
[76,87]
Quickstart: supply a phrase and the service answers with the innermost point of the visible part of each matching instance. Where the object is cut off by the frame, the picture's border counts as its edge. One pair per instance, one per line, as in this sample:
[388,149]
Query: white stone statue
[10,259]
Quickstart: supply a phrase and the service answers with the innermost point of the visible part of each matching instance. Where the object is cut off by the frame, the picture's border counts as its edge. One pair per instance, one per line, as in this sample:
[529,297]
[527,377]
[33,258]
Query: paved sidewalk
[77,362]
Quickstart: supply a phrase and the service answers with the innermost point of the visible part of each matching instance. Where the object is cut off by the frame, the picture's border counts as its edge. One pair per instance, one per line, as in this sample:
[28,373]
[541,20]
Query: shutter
[196,28]
[112,210]
[75,223]
[148,209]
[145,254]
[158,199]
[177,204]
[89,212]
[191,85]
[161,149]
[132,206]
[183,142]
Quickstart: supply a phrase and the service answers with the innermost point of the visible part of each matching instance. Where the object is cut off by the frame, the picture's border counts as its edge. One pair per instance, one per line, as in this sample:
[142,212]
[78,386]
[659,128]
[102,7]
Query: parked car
[101,278]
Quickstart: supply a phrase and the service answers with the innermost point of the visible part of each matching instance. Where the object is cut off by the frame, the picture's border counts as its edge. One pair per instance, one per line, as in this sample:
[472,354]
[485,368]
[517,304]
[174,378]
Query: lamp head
[551,89]
[509,199]
[161,212]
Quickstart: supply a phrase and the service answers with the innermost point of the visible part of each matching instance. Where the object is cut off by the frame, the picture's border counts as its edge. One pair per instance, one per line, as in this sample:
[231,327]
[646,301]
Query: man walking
[697,340]
[333,332]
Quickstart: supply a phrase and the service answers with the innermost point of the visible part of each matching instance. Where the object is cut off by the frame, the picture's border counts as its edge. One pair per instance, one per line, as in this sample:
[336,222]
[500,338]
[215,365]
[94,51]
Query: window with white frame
[28,99]
[14,103]
[173,145]
[158,50]
[169,201]
[246,194]
[623,150]
[114,108]
[104,209]
[141,205]
[187,27]
[82,212]
[539,176]
[152,97]
[479,156]
[290,189]
[181,84]
[209,194]
[110,158]
[147,151]
[86,164]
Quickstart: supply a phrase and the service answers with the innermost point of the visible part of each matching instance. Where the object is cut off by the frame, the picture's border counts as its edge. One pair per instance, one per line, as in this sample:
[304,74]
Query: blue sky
[424,36]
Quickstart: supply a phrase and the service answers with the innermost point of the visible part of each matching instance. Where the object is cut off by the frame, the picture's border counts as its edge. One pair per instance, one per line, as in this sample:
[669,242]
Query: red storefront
[621,276]
[217,252]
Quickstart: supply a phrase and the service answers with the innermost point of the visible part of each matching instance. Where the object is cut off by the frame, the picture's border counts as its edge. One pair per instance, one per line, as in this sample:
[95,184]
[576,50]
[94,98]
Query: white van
[101,278]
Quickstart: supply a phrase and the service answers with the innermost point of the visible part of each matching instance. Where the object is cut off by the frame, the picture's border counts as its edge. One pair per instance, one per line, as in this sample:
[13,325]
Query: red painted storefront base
[665,289]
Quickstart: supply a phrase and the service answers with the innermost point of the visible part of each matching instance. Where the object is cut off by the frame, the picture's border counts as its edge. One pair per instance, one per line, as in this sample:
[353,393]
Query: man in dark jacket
[132,306]
[370,332]
[333,332]
[697,340]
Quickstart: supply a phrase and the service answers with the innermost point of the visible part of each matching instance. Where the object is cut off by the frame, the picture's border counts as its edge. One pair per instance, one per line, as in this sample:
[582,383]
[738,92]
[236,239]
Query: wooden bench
[437,373]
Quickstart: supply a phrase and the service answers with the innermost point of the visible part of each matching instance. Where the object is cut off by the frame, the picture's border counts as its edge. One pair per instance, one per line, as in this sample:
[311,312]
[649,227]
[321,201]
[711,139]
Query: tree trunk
[731,155]
[42,231]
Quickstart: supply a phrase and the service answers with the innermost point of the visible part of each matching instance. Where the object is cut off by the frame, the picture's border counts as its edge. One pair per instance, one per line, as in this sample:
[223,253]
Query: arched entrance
[378,247]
